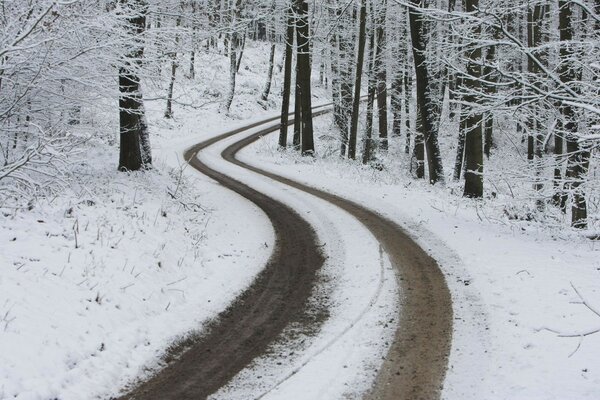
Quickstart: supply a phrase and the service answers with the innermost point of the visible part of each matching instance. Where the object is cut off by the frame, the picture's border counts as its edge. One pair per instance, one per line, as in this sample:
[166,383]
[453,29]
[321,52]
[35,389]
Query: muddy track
[416,363]
[415,366]
[276,298]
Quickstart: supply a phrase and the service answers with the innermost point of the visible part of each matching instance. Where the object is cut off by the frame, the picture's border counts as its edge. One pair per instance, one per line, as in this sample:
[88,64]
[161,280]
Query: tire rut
[416,364]
[277,297]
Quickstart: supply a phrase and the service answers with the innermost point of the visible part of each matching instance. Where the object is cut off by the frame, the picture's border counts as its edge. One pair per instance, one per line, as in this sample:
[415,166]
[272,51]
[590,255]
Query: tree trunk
[380,67]
[427,128]
[372,88]
[233,45]
[265,94]
[577,157]
[407,81]
[174,65]
[304,74]
[474,120]
[357,85]
[131,109]
[287,78]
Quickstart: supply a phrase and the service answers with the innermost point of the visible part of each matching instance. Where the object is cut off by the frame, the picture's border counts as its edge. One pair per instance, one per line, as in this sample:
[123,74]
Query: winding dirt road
[416,363]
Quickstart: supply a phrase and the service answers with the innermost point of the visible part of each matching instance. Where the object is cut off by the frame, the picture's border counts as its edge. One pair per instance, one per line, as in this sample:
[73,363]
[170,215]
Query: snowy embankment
[97,281]
[511,282]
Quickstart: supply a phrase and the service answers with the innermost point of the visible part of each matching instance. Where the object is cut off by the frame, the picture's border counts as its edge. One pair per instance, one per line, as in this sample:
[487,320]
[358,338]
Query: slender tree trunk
[382,75]
[265,94]
[232,74]
[233,44]
[460,147]
[427,127]
[174,65]
[535,138]
[287,78]
[491,90]
[296,140]
[407,81]
[357,85]
[169,110]
[304,84]
[240,52]
[372,89]
[192,70]
[145,147]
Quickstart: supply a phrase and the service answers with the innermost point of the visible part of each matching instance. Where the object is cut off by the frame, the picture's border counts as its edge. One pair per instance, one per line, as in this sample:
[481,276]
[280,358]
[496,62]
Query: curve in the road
[277,297]
[415,366]
[416,363]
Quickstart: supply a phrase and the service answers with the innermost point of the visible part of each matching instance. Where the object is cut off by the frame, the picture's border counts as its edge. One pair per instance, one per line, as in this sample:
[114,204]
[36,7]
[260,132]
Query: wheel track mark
[415,366]
[374,297]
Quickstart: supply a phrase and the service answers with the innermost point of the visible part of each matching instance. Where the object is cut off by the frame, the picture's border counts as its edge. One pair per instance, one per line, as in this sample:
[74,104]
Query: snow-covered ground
[96,282]
[513,283]
[359,285]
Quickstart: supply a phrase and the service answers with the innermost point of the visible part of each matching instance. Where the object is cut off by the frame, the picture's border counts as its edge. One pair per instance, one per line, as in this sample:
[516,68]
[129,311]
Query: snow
[358,279]
[99,280]
[148,269]
[510,281]
[81,321]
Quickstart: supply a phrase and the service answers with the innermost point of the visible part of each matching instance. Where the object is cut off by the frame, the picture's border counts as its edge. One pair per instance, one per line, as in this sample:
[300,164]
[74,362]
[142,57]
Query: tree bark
[131,109]
[287,78]
[304,74]
[577,157]
[427,128]
[265,94]
[357,85]
[474,120]
[372,88]
[380,67]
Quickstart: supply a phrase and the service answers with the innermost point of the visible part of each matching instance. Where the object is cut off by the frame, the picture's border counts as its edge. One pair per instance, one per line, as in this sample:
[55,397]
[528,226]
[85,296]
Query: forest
[299,199]
[515,81]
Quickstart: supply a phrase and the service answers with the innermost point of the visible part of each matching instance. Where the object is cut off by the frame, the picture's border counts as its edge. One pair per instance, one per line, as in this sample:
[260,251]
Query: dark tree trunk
[304,75]
[131,109]
[130,158]
[426,106]
[357,85]
[287,78]
[192,72]
[491,90]
[380,67]
[474,120]
[535,138]
[407,95]
[577,157]
[297,117]
[265,94]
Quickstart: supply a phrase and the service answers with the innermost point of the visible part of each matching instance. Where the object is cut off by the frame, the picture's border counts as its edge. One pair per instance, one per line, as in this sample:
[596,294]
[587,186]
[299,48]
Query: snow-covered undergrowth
[512,281]
[100,271]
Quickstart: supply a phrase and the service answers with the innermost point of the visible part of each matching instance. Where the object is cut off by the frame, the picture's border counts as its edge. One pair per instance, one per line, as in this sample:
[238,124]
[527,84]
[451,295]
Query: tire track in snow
[416,363]
[277,297]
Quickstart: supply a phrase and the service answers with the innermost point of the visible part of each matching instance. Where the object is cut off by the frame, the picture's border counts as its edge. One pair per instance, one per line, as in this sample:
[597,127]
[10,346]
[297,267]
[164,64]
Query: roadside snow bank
[509,280]
[98,282]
